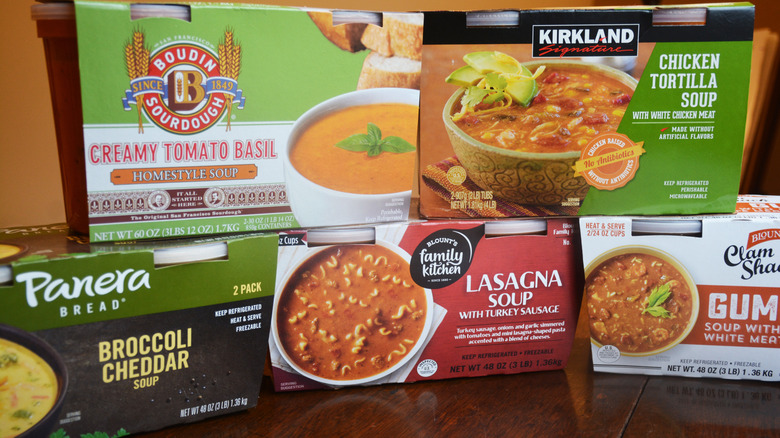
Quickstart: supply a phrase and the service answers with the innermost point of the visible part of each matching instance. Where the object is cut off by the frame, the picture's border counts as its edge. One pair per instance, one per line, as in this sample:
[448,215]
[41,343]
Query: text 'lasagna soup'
[638,303]
[350,312]
[574,105]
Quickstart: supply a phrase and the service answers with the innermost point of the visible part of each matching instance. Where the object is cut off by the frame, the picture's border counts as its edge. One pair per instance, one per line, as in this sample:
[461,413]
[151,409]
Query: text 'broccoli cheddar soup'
[638,303]
[350,312]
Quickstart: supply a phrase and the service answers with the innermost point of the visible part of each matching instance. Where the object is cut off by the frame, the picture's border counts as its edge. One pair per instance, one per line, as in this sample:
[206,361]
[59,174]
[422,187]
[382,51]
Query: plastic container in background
[171,332]
[693,296]
[423,301]
[56,24]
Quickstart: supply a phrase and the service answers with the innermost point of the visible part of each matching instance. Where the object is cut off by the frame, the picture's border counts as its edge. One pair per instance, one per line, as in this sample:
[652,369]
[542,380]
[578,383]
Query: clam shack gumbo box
[424,300]
[685,296]
[584,111]
[211,118]
[139,336]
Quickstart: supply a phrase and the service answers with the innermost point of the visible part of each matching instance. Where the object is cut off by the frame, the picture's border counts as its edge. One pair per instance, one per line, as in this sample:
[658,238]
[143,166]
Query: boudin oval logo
[183,87]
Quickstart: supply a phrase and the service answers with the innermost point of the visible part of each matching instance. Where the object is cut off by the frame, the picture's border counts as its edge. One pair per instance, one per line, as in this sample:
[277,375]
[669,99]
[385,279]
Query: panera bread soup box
[633,110]
[692,296]
[130,337]
[417,301]
[210,118]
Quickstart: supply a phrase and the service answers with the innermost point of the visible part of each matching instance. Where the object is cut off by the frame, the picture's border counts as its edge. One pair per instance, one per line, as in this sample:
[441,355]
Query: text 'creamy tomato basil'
[351,312]
[537,107]
[638,302]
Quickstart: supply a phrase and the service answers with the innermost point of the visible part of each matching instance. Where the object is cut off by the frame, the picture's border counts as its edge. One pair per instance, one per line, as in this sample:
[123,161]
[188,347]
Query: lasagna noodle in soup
[350,312]
[316,156]
[618,294]
[574,105]
[28,388]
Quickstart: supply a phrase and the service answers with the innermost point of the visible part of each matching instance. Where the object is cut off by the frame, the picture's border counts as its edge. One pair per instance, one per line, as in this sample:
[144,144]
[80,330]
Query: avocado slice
[491,61]
[464,76]
[522,90]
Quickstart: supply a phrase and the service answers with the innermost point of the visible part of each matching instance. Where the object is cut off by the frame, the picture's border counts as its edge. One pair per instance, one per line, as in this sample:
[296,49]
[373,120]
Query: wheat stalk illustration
[229,66]
[137,62]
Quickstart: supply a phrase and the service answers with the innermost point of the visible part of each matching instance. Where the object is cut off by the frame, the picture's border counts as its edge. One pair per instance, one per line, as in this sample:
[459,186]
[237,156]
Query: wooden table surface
[571,402]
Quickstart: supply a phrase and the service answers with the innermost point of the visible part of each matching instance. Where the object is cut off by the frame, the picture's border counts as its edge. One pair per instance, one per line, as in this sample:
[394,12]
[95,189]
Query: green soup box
[202,118]
[141,335]
[563,112]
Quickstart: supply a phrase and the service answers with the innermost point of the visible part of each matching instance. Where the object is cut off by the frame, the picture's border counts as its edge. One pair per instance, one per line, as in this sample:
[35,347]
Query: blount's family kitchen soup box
[686,296]
[203,118]
[589,111]
[422,301]
[147,335]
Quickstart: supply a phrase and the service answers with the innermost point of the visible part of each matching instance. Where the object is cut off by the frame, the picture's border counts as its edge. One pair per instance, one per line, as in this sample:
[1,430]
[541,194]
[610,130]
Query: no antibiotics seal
[609,161]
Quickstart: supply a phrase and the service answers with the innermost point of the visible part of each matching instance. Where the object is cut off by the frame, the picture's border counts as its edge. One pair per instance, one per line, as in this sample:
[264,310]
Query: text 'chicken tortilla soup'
[574,104]
[351,312]
[638,302]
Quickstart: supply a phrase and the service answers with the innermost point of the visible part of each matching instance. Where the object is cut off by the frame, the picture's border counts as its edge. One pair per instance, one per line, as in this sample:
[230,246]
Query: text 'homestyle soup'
[351,312]
[638,303]
[574,105]
[316,156]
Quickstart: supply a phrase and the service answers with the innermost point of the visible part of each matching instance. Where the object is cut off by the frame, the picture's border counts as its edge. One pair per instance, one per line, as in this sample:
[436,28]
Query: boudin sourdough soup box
[131,337]
[424,300]
[686,296]
[211,118]
[587,111]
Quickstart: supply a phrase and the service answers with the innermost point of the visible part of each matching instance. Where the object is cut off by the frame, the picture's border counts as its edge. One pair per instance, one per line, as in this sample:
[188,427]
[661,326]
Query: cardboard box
[423,301]
[608,111]
[147,335]
[685,296]
[210,118]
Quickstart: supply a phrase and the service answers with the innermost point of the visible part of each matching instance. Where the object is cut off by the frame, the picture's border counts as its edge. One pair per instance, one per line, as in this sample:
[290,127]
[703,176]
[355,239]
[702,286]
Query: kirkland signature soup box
[420,301]
[590,111]
[211,118]
[689,296]
[139,336]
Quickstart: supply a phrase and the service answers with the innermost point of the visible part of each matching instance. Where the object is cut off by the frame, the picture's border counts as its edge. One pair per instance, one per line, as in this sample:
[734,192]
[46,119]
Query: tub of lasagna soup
[422,301]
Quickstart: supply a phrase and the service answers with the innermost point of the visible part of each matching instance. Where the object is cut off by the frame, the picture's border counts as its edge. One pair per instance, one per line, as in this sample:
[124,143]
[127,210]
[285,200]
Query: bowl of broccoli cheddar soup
[33,382]
[351,159]
[640,300]
[518,128]
[350,314]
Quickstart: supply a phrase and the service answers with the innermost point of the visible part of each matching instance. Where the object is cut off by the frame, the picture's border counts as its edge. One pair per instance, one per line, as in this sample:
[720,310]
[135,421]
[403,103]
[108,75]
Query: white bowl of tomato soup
[350,314]
[33,383]
[329,184]
[526,154]
[640,300]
